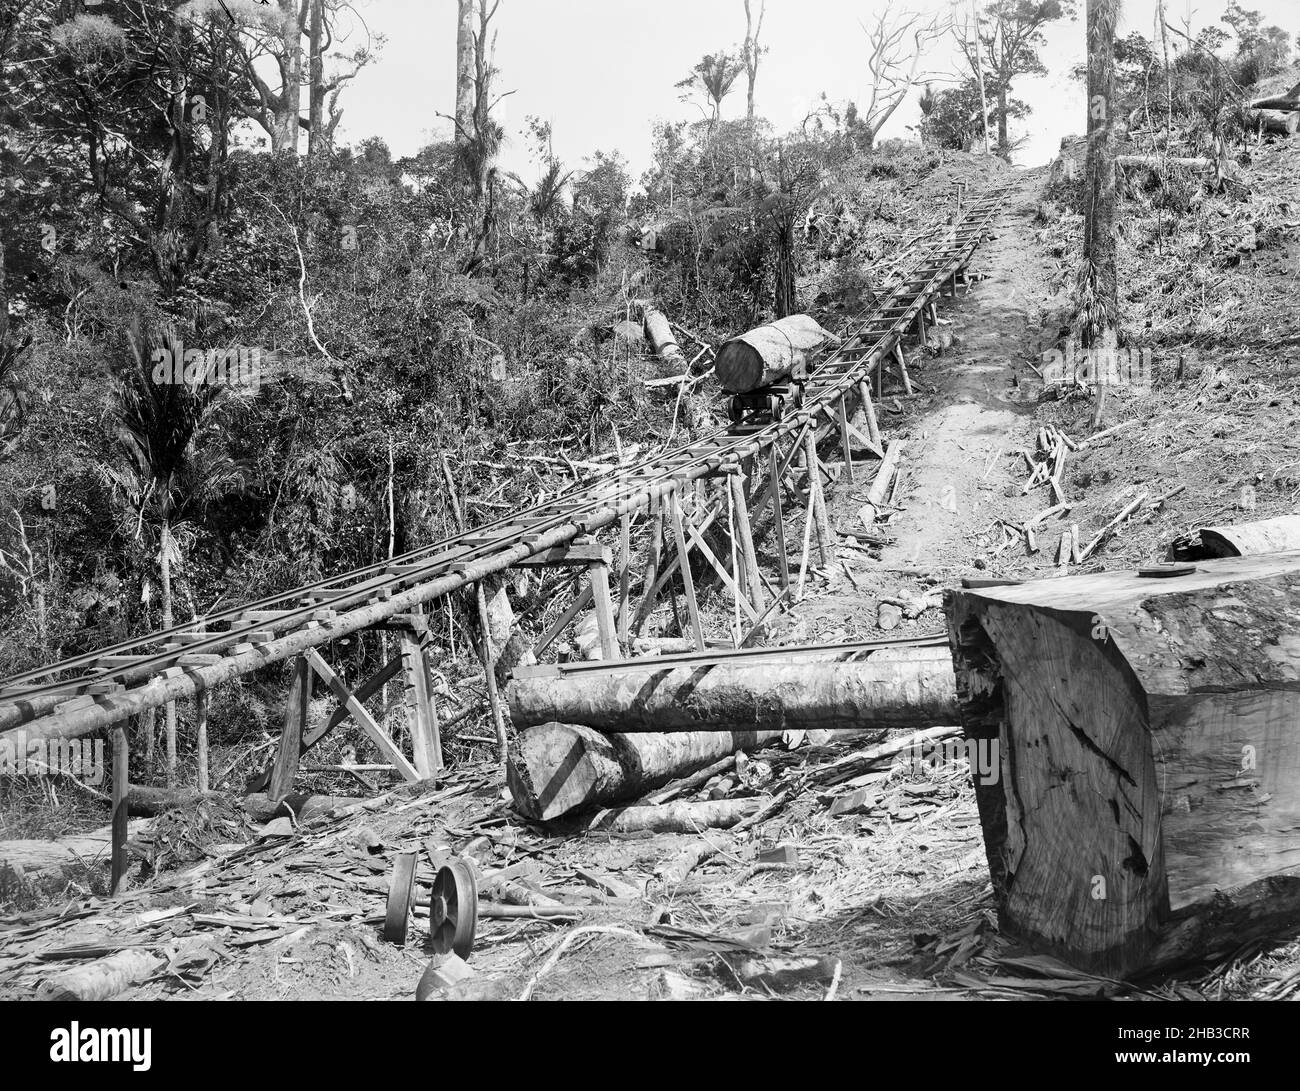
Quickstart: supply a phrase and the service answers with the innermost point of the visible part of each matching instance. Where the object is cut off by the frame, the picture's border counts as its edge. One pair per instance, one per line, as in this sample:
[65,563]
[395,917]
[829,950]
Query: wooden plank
[650,581]
[774,488]
[756,629]
[201,734]
[869,413]
[624,577]
[363,692]
[670,569]
[745,533]
[121,778]
[580,603]
[575,555]
[902,367]
[817,501]
[845,445]
[489,661]
[606,626]
[359,712]
[287,753]
[421,717]
[697,540]
[679,536]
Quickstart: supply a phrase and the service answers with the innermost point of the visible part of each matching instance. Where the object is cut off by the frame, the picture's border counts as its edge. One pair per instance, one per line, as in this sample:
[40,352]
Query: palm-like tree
[713,77]
[170,458]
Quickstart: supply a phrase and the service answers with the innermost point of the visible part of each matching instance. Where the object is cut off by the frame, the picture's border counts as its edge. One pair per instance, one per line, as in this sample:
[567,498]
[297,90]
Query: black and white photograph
[655,500]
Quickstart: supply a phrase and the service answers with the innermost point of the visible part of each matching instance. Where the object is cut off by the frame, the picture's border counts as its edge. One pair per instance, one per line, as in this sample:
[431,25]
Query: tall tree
[284,138]
[897,41]
[316,78]
[750,55]
[265,34]
[465,67]
[1003,45]
[170,458]
[713,78]
[1099,303]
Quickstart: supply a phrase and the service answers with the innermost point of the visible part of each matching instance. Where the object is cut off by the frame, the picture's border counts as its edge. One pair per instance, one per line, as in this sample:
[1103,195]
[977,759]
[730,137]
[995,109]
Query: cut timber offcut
[769,353]
[888,687]
[1147,808]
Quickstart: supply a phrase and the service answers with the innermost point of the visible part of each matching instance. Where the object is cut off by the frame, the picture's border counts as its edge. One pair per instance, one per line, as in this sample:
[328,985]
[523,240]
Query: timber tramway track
[96,689]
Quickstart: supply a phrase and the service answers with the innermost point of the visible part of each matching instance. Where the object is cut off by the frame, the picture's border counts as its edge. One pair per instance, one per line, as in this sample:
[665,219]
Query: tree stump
[1147,807]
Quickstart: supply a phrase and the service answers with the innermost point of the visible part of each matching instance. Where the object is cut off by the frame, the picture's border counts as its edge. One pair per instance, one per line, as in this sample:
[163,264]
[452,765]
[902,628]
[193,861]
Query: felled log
[1155,162]
[660,335]
[769,353]
[1288,100]
[718,814]
[305,806]
[878,493]
[1149,798]
[147,801]
[101,979]
[555,768]
[1281,122]
[1242,540]
[143,801]
[889,687]
[32,858]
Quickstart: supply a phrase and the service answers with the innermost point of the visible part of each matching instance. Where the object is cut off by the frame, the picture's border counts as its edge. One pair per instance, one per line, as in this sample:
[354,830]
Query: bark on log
[769,353]
[1282,122]
[144,801]
[717,814]
[878,493]
[1150,766]
[1155,162]
[261,808]
[102,979]
[1289,100]
[889,687]
[34,858]
[660,335]
[555,768]
[1242,540]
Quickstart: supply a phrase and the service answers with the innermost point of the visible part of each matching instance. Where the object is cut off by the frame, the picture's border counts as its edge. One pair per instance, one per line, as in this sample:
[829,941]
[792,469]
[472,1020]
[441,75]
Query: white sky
[603,70]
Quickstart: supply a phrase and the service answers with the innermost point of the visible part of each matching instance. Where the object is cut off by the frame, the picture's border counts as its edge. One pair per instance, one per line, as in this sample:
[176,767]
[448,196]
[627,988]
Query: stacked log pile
[601,736]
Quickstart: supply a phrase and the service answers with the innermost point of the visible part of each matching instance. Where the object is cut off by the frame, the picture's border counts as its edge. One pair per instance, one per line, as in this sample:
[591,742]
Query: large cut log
[1242,540]
[719,814]
[34,858]
[102,979]
[1156,162]
[145,801]
[556,768]
[660,335]
[769,353]
[1282,122]
[1148,804]
[1288,100]
[888,687]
